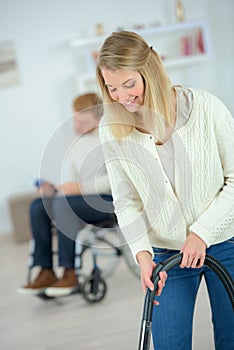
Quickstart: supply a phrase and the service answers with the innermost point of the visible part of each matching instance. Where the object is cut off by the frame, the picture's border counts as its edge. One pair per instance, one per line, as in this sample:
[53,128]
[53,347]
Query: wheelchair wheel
[103,245]
[94,290]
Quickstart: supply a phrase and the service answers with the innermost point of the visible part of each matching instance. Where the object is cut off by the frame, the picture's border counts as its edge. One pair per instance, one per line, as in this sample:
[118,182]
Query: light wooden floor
[29,323]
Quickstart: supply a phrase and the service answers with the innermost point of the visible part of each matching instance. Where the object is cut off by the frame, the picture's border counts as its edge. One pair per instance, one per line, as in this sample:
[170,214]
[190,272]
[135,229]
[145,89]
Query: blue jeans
[68,215]
[173,319]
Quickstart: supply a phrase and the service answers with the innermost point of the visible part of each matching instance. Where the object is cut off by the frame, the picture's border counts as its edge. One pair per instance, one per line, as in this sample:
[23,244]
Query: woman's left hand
[194,251]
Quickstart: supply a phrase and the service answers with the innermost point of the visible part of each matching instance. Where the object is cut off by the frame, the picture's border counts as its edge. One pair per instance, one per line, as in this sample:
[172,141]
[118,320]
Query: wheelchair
[98,251]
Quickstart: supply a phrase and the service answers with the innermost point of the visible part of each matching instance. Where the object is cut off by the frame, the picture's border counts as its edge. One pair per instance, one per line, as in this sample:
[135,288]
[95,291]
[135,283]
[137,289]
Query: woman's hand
[194,251]
[147,265]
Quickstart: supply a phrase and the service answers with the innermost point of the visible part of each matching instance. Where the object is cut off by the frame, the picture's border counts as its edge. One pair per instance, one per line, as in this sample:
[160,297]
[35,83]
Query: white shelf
[185,60]
[161,29]
[166,39]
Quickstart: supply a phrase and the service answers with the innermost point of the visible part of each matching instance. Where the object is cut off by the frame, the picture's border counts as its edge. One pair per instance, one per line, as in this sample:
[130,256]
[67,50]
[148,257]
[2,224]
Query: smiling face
[125,87]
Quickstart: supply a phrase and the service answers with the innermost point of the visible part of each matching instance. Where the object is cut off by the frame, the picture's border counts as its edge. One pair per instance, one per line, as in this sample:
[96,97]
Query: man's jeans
[69,214]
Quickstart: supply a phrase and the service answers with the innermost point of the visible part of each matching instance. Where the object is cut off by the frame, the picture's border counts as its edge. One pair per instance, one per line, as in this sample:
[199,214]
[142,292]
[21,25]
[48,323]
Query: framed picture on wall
[9,73]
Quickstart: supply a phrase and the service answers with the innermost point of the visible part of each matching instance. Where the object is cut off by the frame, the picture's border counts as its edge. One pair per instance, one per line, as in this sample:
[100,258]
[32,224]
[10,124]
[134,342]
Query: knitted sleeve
[218,218]
[127,204]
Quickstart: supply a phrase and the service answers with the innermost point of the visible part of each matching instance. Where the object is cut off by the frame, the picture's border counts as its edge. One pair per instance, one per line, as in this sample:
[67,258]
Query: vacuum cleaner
[146,323]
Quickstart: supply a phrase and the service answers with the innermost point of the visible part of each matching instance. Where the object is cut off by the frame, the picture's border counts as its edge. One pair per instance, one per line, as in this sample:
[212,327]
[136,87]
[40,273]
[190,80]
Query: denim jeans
[173,319]
[68,215]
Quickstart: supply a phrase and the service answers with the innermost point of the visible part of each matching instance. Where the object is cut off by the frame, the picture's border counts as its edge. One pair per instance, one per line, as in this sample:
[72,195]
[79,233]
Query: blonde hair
[89,101]
[129,51]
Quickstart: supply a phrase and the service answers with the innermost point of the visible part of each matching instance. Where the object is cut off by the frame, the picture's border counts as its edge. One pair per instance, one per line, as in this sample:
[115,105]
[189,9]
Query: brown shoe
[64,286]
[45,278]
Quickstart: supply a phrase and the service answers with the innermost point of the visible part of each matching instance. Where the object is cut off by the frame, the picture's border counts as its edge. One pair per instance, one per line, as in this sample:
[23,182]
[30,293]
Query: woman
[170,159]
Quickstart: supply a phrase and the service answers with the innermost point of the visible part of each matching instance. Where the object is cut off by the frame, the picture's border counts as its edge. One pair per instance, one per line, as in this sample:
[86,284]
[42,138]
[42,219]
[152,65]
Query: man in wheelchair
[82,197]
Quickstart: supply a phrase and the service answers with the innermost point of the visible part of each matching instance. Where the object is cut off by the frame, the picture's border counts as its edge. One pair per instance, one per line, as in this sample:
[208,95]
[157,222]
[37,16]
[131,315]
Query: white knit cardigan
[149,212]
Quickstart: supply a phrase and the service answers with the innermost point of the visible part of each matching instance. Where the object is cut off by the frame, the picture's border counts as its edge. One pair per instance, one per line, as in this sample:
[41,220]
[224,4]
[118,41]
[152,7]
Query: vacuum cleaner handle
[211,262]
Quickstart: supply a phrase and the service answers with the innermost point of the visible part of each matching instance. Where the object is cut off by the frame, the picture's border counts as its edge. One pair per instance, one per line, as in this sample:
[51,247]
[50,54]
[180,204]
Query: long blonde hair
[129,51]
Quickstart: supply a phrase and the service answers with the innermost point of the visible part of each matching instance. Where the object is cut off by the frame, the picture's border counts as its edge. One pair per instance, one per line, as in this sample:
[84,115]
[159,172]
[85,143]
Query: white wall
[31,111]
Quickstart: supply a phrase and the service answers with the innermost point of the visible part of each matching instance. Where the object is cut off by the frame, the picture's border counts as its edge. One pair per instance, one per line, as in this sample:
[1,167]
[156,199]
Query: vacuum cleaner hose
[168,264]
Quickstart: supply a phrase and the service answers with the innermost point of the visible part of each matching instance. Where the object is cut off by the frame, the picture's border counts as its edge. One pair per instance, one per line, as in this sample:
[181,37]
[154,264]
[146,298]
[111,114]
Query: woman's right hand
[147,266]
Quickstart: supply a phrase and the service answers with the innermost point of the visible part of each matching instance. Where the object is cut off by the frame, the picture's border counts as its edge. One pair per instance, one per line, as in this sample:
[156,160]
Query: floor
[70,323]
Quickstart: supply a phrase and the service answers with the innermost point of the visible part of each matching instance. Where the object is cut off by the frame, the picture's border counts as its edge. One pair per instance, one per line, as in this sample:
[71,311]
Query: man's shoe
[45,278]
[64,286]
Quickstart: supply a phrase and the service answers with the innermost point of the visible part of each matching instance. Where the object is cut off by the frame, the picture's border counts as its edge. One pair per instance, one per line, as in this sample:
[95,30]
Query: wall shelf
[179,44]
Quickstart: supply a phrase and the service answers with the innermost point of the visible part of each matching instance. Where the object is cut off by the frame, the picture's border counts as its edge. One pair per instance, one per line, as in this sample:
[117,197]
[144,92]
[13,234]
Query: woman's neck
[169,129]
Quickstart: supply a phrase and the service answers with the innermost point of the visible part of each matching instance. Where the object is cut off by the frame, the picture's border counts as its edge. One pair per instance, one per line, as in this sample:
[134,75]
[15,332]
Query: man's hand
[47,189]
[69,189]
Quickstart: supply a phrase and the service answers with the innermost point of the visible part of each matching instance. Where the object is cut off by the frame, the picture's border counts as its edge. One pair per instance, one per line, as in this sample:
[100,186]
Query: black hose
[211,262]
